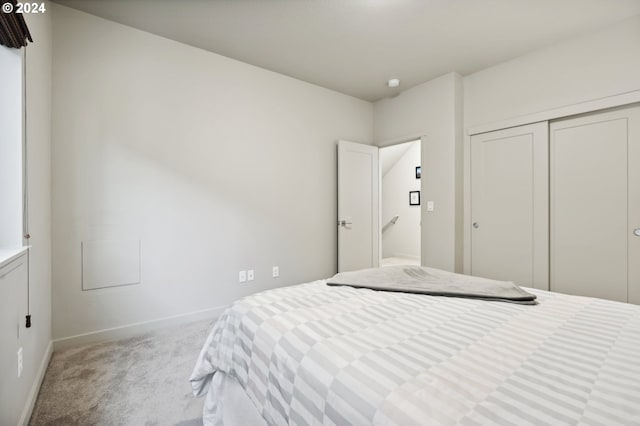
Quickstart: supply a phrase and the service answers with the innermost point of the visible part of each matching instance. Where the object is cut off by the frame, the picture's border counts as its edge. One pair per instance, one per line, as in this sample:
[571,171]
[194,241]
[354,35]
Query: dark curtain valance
[13,29]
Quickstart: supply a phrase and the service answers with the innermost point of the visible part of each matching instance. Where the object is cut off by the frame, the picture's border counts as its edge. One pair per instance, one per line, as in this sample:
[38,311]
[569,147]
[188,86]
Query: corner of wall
[458,105]
[38,341]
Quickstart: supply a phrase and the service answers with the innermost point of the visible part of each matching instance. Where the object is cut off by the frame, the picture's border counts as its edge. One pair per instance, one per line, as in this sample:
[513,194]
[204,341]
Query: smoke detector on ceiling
[394,82]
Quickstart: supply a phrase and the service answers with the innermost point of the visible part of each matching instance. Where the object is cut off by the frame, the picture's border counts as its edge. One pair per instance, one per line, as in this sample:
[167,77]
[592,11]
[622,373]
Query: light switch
[242,276]
[429,206]
[250,275]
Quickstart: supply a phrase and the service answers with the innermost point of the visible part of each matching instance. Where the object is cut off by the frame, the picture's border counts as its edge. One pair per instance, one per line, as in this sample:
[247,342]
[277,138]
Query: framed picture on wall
[414,198]
[418,172]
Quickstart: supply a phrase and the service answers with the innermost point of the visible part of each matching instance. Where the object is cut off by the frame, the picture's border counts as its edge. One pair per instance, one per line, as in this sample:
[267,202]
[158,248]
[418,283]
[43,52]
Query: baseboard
[35,387]
[135,329]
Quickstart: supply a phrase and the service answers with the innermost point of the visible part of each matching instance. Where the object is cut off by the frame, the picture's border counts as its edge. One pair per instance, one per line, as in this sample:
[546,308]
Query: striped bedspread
[314,354]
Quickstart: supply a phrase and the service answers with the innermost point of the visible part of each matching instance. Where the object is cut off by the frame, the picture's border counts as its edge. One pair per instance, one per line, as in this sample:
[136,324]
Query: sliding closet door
[595,205]
[509,205]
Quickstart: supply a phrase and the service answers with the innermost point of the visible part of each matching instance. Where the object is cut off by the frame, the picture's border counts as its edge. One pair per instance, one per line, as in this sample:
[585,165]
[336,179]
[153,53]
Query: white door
[595,205]
[509,205]
[358,206]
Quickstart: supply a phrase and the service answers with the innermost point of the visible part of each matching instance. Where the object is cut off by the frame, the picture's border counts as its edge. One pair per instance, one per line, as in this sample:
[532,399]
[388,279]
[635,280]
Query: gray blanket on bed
[433,282]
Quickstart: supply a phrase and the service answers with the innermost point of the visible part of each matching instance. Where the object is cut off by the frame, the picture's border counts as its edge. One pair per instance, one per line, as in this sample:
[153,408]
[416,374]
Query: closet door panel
[508,205]
[590,200]
[633,170]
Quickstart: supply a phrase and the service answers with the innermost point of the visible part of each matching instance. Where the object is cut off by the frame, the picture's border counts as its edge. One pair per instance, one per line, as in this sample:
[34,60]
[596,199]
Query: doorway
[400,203]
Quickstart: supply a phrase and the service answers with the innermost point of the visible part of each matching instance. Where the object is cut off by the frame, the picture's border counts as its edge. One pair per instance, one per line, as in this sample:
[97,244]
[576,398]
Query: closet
[556,205]
[509,205]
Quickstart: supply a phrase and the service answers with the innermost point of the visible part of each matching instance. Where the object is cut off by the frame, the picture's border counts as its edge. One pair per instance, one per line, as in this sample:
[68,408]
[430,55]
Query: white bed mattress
[314,354]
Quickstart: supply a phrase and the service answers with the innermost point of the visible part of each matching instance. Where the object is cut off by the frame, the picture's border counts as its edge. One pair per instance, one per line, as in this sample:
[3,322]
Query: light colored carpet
[142,380]
[391,261]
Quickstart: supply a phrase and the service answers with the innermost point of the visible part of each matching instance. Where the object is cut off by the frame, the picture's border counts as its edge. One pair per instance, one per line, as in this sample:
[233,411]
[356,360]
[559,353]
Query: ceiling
[355,46]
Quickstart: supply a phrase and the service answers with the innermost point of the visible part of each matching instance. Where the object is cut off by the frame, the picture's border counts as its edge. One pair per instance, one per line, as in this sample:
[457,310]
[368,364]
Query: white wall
[20,393]
[592,66]
[216,165]
[431,110]
[401,239]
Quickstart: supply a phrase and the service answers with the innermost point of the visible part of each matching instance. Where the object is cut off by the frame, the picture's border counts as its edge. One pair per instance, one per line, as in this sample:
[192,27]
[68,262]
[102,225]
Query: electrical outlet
[250,275]
[242,276]
[19,362]
[276,272]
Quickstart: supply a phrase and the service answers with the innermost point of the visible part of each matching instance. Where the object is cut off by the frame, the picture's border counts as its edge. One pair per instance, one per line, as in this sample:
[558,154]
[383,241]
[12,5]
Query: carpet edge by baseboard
[134,329]
[35,387]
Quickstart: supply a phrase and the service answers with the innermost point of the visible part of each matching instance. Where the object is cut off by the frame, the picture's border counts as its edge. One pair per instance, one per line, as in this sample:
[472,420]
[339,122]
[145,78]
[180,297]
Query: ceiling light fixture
[394,82]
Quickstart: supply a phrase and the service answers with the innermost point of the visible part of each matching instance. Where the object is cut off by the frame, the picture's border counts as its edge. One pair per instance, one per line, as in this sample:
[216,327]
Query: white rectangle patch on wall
[110,263]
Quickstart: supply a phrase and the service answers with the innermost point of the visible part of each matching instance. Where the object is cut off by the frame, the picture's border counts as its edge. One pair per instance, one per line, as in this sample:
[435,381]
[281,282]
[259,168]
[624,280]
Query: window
[11,132]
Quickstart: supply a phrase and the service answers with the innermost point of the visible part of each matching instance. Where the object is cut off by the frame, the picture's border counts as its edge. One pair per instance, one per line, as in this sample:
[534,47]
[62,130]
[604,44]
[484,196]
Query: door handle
[636,232]
[344,223]
[476,225]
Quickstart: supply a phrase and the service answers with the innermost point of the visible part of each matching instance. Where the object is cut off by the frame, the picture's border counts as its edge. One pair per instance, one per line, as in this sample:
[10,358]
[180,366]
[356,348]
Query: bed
[319,354]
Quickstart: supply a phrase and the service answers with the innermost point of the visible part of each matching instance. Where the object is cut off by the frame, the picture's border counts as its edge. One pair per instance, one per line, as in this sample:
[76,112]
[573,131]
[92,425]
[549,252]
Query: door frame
[422,137]
[418,138]
[588,106]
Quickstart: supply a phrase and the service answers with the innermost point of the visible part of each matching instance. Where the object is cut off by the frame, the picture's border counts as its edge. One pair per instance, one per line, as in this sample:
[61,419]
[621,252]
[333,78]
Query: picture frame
[414,198]
[418,172]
